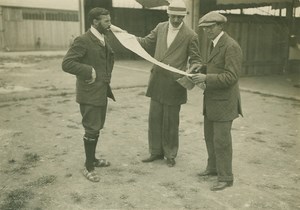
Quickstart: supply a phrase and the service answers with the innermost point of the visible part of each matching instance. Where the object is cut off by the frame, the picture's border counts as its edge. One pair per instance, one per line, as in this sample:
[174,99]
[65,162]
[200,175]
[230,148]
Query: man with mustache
[176,45]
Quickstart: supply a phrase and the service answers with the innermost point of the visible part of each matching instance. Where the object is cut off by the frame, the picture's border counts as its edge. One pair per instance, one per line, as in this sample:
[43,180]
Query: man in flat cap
[175,44]
[221,101]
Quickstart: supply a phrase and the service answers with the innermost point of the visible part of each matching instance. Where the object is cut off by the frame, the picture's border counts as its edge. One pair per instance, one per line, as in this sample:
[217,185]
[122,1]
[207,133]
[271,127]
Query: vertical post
[289,19]
[81,16]
[2,40]
[196,7]
[289,16]
[193,13]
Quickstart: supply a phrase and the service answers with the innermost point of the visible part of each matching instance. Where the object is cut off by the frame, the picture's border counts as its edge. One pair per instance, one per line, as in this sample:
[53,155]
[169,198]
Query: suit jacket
[88,52]
[222,101]
[162,85]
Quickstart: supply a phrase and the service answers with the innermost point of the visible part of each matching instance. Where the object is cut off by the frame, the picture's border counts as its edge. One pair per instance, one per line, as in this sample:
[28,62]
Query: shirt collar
[97,34]
[215,41]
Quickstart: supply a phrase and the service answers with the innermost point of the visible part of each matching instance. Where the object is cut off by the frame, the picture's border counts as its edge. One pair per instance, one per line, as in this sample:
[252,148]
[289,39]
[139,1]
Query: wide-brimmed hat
[212,18]
[177,7]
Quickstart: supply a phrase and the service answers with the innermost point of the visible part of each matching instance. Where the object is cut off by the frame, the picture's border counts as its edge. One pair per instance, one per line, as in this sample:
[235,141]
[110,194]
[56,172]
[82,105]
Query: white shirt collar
[97,34]
[215,41]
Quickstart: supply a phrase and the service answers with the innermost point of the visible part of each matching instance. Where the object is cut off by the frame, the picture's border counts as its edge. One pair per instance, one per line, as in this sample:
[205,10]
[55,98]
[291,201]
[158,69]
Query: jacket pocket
[84,86]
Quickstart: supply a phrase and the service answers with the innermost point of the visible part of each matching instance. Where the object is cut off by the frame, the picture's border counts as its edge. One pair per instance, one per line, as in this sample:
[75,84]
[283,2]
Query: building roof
[252,1]
[133,4]
[45,4]
[255,3]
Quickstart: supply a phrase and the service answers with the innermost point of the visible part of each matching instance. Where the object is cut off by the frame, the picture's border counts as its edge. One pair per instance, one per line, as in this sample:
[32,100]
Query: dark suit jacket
[88,52]
[222,101]
[162,85]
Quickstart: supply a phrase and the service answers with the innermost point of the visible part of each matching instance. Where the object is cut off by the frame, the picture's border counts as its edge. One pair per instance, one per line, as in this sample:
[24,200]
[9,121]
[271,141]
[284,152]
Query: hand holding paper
[130,42]
[198,78]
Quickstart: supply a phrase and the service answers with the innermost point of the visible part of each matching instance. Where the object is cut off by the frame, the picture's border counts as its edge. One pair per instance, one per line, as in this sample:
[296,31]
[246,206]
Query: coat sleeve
[193,51]
[229,75]
[148,42]
[72,62]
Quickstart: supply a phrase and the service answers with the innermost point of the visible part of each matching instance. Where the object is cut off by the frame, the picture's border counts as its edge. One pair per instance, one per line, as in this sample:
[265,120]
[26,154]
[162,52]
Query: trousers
[93,119]
[219,148]
[163,129]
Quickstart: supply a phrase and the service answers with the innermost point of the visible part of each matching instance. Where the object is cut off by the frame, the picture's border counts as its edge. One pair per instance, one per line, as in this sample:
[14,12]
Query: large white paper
[130,42]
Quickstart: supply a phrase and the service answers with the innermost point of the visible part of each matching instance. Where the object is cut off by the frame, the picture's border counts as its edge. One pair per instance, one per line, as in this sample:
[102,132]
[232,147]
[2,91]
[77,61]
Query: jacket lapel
[216,49]
[163,48]
[108,47]
[176,42]
[95,39]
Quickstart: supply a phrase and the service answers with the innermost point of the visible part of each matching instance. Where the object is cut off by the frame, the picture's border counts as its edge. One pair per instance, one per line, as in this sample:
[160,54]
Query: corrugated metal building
[38,24]
[52,24]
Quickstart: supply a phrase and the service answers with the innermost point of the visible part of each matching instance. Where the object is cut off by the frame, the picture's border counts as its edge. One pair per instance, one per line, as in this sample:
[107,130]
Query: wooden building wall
[38,29]
[263,39]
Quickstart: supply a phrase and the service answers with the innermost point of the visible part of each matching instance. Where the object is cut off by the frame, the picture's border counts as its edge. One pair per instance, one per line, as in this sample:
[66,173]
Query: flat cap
[212,18]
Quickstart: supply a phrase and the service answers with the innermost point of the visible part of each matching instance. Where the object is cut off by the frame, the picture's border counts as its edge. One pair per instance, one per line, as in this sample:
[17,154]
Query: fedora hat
[177,7]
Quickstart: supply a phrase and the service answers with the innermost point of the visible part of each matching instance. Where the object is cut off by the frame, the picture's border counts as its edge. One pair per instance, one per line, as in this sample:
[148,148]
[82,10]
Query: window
[51,15]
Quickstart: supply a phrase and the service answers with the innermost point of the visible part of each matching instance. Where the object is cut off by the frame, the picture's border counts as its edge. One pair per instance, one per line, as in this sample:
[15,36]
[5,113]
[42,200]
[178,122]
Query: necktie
[211,47]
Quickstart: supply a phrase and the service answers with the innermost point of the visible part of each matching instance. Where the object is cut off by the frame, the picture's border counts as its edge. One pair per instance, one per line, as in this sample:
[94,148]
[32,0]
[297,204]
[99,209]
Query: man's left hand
[198,78]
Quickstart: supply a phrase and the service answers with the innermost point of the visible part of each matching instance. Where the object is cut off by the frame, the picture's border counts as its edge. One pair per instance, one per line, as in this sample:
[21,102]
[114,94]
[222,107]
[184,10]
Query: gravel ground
[41,150]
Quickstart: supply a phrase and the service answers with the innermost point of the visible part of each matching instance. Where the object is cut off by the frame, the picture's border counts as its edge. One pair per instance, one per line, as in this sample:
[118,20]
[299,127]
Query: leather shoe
[152,158]
[207,173]
[171,162]
[221,186]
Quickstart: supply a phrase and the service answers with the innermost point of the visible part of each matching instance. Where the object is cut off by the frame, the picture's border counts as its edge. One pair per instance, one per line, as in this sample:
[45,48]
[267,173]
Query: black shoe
[152,158]
[207,173]
[221,186]
[171,162]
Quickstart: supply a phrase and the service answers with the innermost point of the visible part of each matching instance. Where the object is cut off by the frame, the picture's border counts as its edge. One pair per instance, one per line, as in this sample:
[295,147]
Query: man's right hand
[194,69]
[92,80]
[197,68]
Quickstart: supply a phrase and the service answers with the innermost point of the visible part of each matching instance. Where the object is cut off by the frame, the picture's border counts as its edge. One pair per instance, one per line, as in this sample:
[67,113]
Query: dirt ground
[41,150]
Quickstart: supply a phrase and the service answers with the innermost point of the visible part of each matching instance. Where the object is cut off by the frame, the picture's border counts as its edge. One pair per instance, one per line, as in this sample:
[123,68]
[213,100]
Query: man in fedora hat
[221,102]
[175,44]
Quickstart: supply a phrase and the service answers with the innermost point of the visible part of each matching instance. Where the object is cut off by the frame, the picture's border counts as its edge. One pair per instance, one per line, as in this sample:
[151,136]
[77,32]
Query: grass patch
[138,172]
[169,185]
[17,199]
[19,170]
[43,181]
[286,145]
[76,197]
[132,180]
[31,158]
